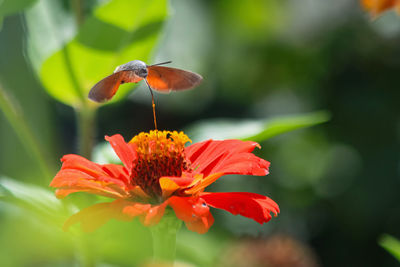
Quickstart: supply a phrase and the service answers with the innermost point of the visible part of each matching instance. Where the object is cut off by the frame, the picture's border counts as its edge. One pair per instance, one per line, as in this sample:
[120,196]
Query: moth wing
[165,79]
[105,89]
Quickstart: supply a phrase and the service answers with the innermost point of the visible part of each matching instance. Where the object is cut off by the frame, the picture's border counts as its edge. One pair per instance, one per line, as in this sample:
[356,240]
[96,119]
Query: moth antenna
[162,63]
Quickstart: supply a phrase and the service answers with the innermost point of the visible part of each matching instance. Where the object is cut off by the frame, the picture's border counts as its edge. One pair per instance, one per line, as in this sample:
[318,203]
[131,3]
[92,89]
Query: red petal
[189,209]
[182,207]
[125,151]
[251,205]
[117,171]
[227,157]
[201,225]
[247,163]
[193,211]
[76,162]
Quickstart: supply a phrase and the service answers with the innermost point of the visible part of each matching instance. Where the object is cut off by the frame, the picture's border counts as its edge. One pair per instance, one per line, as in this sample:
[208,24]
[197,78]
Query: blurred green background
[337,183]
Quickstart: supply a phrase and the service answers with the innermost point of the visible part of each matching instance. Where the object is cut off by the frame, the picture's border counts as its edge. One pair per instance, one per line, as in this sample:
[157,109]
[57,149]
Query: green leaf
[9,7]
[118,32]
[104,154]
[32,198]
[50,26]
[13,112]
[391,244]
[255,130]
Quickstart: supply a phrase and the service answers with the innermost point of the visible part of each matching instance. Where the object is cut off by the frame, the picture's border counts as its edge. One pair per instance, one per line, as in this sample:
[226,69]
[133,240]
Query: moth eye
[142,72]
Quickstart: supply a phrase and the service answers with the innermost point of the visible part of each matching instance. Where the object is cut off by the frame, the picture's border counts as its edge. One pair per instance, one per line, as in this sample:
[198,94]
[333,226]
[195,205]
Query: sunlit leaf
[118,32]
[391,244]
[255,130]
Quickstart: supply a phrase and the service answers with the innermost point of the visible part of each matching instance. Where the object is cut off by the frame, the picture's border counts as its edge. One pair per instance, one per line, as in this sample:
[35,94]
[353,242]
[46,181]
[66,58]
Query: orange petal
[75,179]
[376,7]
[80,174]
[398,7]
[203,183]
[76,162]
[61,193]
[367,4]
[170,184]
[197,179]
[95,216]
[137,191]
[134,209]
[149,215]
[154,214]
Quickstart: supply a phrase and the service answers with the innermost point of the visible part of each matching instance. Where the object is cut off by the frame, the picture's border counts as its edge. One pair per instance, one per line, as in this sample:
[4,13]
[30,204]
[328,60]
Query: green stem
[86,119]
[77,5]
[85,114]
[70,70]
[85,256]
[15,116]
[164,238]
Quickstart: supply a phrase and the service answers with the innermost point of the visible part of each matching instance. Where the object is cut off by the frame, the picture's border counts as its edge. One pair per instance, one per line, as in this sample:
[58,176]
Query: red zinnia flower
[158,171]
[376,7]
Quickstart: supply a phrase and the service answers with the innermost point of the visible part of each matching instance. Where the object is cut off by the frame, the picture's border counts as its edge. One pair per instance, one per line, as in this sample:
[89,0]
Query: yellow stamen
[164,140]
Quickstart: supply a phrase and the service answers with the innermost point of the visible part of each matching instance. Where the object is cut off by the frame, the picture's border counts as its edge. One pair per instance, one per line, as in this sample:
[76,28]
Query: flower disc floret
[159,153]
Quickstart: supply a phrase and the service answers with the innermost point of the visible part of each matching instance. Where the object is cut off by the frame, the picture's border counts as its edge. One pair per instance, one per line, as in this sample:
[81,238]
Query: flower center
[159,153]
